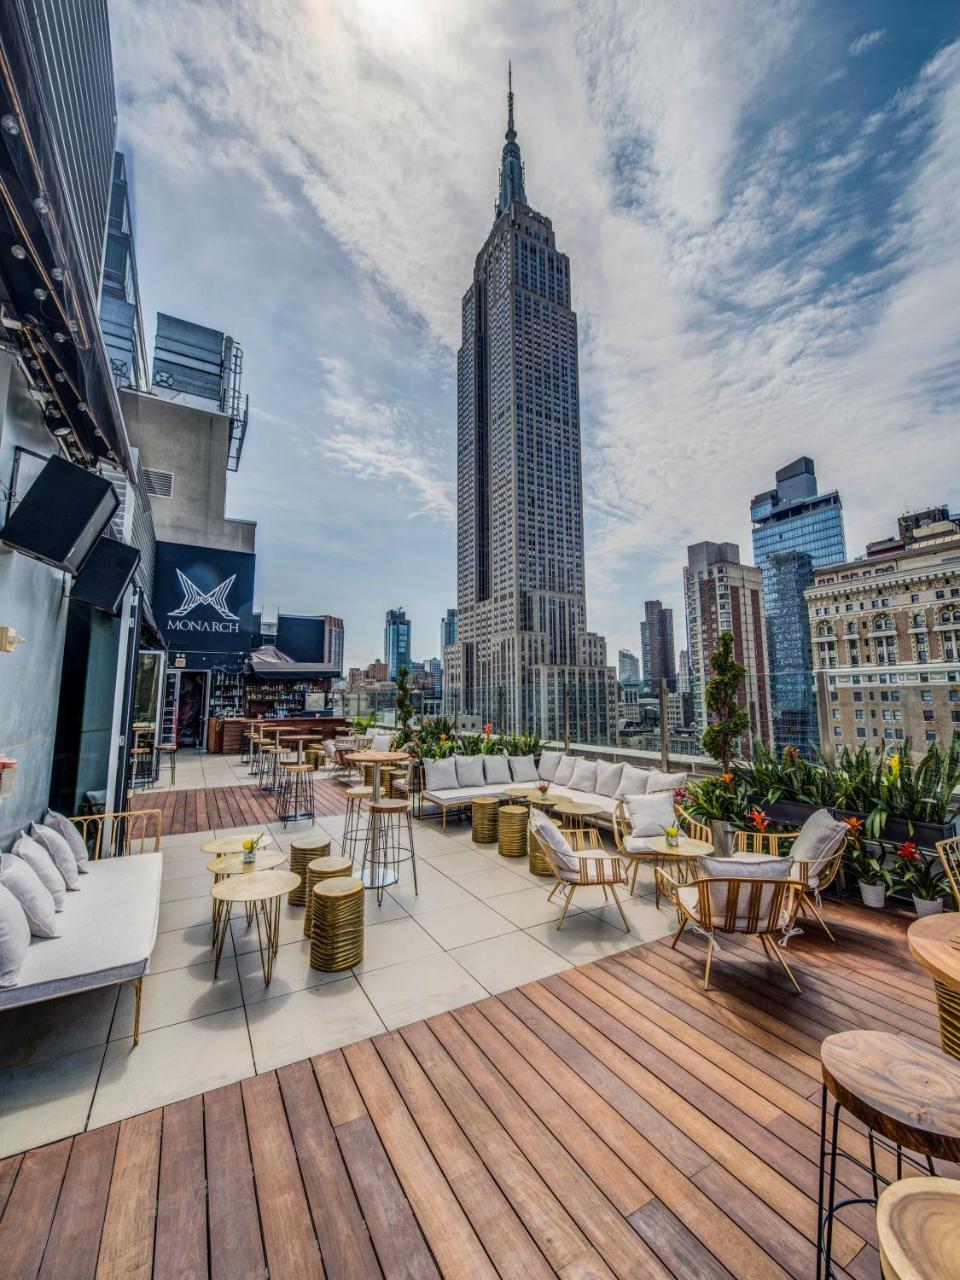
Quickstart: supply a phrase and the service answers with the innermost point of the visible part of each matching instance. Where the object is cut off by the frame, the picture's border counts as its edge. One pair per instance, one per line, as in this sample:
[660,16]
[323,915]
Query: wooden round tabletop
[907,1091]
[231,864]
[378,757]
[918,1229]
[684,848]
[255,887]
[578,808]
[935,943]
[233,844]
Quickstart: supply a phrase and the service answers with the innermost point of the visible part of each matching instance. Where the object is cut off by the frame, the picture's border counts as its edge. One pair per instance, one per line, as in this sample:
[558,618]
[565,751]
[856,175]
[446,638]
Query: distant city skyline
[780,211]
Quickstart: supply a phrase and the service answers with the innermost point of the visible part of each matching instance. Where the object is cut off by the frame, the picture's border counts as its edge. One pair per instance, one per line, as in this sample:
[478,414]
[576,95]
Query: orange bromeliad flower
[759,819]
[727,778]
[855,825]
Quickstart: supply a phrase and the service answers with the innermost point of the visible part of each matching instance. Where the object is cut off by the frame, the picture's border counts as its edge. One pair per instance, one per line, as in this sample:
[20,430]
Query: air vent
[159,484]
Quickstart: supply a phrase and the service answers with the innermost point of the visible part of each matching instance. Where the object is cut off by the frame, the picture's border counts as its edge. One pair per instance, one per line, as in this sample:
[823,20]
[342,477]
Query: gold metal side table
[513,830]
[264,889]
[483,819]
[304,849]
[336,941]
[317,870]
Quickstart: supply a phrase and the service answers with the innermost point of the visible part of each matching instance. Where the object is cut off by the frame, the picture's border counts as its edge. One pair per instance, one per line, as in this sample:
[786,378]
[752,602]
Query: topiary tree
[404,703]
[729,720]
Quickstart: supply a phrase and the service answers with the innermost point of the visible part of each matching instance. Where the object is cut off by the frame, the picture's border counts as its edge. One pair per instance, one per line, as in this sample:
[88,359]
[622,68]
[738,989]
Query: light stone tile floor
[479,925]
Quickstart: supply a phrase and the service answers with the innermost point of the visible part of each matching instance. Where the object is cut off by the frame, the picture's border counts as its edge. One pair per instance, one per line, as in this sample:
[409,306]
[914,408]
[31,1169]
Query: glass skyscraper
[795,530]
[396,642]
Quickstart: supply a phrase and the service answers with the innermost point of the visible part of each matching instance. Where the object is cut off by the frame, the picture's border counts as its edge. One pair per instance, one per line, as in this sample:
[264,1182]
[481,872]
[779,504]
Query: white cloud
[869,40]
[739,302]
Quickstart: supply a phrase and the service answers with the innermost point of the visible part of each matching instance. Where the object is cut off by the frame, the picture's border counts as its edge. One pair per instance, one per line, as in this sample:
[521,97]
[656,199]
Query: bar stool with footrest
[168,751]
[336,940]
[355,820]
[389,842]
[324,868]
[295,797]
[905,1093]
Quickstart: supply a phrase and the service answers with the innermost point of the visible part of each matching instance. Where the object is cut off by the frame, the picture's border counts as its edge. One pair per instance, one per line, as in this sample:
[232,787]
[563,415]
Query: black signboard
[203,598]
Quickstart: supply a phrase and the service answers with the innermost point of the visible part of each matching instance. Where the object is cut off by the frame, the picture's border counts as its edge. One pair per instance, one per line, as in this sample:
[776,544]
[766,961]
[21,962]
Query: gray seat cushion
[32,894]
[440,775]
[584,776]
[819,839]
[108,933]
[523,769]
[547,768]
[496,771]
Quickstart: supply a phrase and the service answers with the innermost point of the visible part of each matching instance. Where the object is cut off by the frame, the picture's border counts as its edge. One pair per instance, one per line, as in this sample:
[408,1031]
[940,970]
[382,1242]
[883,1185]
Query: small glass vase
[673,839]
[249,856]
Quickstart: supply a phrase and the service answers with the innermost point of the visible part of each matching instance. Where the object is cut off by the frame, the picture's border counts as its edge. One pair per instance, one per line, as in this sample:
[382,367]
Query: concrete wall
[32,600]
[192,444]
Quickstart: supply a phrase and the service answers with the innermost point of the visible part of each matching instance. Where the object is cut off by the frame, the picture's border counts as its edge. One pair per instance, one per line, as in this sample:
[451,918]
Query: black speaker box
[61,515]
[106,574]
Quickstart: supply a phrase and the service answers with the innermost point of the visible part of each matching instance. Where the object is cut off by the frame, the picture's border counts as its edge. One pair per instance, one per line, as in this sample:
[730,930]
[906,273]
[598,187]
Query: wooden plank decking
[612,1120]
[221,808]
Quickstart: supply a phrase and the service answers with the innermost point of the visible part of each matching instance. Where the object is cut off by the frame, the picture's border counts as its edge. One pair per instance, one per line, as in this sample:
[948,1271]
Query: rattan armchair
[949,851]
[587,863]
[749,905]
[129,831]
[815,876]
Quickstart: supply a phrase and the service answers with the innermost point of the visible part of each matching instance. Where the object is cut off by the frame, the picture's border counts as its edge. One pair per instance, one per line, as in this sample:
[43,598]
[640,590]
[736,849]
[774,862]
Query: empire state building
[523,659]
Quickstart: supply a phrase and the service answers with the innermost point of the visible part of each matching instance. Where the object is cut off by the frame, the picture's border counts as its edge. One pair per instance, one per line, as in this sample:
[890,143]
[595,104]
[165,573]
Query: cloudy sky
[761,204]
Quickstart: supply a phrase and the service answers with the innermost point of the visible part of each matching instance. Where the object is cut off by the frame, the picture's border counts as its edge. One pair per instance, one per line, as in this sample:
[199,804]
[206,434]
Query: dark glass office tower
[71,40]
[795,530]
[121,319]
[396,642]
[524,657]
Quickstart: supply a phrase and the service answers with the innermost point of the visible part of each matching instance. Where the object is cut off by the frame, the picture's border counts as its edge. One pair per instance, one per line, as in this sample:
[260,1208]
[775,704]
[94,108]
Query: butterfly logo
[193,597]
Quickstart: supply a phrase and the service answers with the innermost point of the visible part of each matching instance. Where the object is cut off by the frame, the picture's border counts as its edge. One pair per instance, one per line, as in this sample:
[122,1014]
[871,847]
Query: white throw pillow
[36,856]
[469,771]
[741,869]
[72,836]
[59,851]
[819,839]
[14,938]
[440,775]
[523,769]
[658,781]
[547,767]
[381,742]
[34,897]
[565,771]
[649,815]
[496,770]
[633,782]
[584,776]
[555,838]
[608,778]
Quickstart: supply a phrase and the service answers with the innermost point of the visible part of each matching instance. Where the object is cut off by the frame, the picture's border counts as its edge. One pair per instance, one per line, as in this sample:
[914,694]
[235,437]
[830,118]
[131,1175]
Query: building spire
[511,165]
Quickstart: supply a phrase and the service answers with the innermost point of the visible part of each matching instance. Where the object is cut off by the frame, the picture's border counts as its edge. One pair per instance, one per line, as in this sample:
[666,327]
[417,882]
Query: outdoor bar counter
[227,735]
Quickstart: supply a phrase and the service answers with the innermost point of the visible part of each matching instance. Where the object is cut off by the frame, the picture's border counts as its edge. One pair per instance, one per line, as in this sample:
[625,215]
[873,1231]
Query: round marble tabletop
[231,864]
[234,844]
[255,887]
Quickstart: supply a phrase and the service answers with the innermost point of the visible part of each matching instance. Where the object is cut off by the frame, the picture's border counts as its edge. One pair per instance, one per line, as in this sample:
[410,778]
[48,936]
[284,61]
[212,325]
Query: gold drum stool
[368,775]
[336,941]
[483,819]
[536,862]
[323,868]
[302,850]
[386,783]
[513,830]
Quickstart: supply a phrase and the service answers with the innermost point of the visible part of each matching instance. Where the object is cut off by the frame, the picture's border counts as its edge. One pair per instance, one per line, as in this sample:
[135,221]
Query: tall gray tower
[524,659]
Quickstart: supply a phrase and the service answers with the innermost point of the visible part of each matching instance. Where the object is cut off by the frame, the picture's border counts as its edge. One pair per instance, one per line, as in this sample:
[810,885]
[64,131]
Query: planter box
[789,813]
[924,834]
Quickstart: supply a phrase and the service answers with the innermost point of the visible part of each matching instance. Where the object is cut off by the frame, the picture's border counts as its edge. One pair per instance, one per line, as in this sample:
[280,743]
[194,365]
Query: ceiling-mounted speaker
[61,515]
[106,574]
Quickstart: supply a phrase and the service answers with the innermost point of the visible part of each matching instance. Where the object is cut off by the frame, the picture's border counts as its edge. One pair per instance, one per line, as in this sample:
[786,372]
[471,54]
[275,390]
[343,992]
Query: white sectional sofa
[455,782]
[107,932]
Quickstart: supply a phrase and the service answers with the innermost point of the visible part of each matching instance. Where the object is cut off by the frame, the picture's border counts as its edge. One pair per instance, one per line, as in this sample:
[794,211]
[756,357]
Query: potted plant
[729,721]
[918,799]
[722,804]
[868,865]
[922,877]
